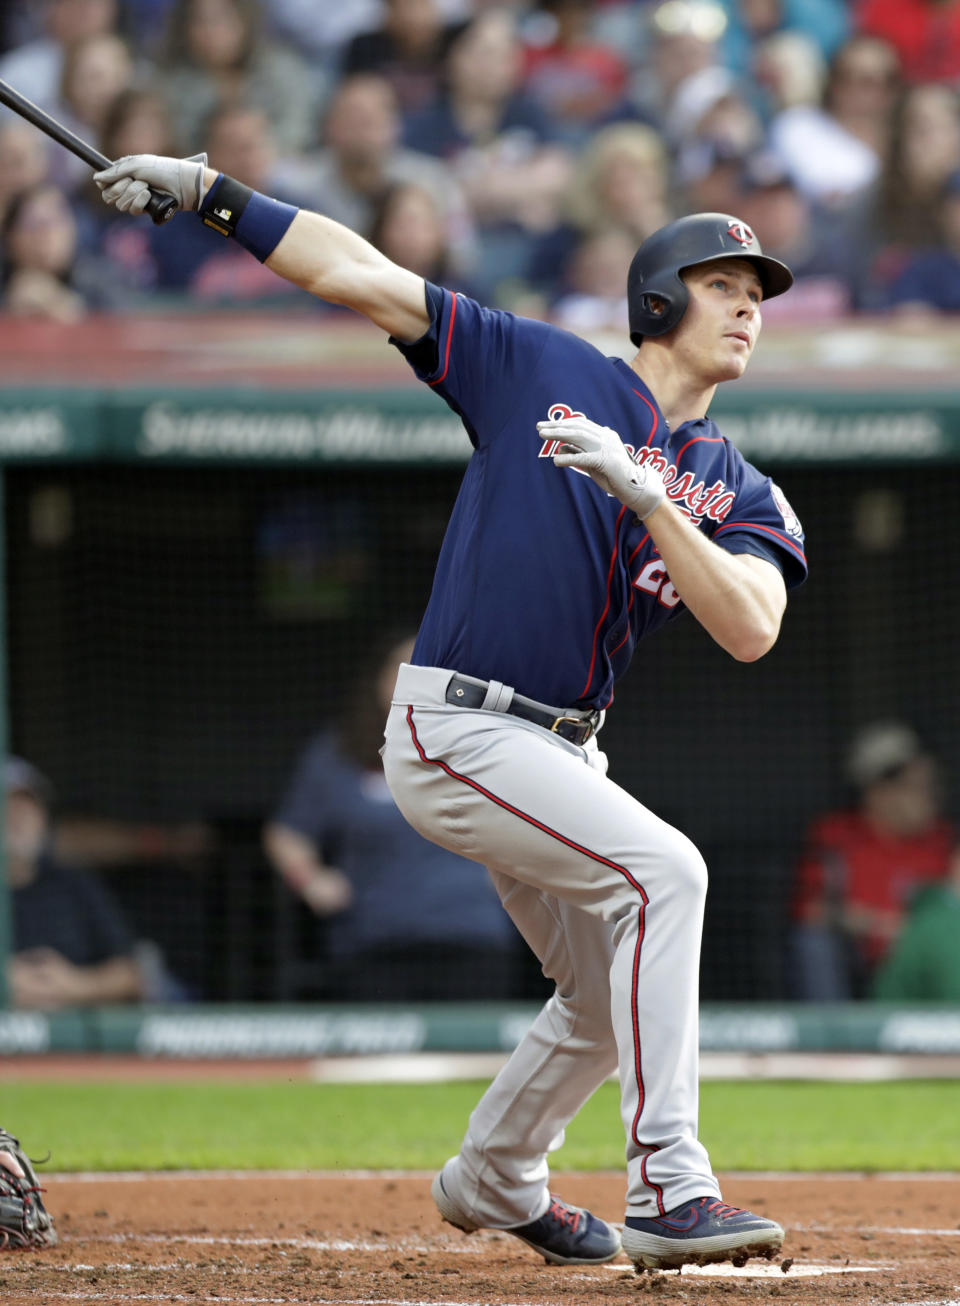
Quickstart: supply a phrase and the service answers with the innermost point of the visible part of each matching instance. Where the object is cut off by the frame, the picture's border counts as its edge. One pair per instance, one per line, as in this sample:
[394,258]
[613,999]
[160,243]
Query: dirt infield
[258,1239]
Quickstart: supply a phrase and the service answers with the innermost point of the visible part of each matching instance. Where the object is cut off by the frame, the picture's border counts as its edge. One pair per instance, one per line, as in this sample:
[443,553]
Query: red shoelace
[563,1214]
[721,1209]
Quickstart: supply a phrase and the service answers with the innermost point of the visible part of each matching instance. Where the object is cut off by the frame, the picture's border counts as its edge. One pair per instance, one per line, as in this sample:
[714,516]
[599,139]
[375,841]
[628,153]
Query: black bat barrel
[161,206]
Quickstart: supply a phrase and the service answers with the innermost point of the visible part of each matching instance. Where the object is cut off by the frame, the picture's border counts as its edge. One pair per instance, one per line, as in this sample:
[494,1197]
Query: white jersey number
[653,579]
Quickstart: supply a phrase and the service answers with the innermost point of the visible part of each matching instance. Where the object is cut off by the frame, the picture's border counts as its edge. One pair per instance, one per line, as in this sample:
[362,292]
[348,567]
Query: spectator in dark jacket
[71,946]
[407,50]
[408,920]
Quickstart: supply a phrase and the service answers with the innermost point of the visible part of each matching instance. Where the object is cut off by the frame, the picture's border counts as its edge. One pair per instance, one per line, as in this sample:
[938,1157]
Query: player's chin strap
[255,221]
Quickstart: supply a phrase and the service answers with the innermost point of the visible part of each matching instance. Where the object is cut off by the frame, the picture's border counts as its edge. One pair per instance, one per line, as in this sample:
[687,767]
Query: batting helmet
[700,238]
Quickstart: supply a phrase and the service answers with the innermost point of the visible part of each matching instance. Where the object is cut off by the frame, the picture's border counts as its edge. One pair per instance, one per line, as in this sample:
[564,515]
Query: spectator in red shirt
[580,82]
[925,32]
[862,866]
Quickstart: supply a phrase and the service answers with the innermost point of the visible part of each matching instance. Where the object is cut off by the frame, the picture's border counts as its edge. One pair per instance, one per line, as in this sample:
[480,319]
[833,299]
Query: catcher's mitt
[24,1220]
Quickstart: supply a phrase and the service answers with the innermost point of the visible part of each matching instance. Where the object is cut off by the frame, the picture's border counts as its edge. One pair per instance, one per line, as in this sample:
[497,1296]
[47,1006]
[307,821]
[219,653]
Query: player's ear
[655,304]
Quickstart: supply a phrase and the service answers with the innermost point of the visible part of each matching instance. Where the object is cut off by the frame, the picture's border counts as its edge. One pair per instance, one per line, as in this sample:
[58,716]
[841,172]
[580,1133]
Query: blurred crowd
[517,151]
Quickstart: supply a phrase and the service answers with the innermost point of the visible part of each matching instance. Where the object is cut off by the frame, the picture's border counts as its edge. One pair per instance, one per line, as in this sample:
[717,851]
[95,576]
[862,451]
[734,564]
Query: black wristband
[255,221]
[224,204]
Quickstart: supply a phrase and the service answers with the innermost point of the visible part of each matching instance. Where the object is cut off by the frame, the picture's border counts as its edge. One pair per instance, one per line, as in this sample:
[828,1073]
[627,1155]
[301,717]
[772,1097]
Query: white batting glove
[128,182]
[599,451]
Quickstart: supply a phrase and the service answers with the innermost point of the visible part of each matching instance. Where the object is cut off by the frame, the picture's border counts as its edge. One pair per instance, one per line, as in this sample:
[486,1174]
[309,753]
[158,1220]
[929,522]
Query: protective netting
[175,635]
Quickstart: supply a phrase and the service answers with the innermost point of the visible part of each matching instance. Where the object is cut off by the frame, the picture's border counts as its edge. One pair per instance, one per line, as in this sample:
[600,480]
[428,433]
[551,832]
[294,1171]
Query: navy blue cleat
[699,1233]
[564,1234]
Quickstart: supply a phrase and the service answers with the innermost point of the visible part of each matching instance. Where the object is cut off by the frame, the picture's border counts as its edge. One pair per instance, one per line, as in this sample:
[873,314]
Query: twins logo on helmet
[741,233]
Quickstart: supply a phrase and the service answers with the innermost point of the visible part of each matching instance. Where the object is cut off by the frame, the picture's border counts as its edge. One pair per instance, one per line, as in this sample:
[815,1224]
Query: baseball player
[599,503]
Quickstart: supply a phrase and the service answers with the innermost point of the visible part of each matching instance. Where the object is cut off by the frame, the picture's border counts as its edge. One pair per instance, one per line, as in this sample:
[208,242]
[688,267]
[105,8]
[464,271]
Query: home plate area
[775,1270]
[376,1240]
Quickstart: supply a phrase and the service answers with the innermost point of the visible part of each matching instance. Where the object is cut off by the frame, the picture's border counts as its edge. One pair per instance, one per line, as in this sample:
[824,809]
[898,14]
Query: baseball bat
[160,206]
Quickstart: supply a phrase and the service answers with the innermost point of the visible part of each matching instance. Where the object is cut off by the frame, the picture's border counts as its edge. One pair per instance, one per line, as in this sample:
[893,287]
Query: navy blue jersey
[544,581]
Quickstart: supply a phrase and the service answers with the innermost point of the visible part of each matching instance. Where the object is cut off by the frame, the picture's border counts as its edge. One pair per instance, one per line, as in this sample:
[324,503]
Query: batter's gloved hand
[24,1220]
[128,182]
[599,451]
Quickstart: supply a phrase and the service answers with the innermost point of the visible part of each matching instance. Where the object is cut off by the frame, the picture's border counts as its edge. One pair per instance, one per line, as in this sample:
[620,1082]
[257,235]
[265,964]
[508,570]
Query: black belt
[575,729]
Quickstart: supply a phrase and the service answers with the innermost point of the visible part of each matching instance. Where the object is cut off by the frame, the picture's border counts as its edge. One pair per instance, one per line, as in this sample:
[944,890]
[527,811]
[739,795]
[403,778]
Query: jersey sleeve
[478,359]
[761,522]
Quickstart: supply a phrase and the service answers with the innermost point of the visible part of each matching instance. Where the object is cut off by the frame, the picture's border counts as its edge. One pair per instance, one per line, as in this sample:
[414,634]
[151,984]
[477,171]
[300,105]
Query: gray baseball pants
[610,898]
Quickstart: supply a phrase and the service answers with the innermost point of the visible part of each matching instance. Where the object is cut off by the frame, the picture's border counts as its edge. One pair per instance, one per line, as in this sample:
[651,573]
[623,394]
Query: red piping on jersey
[627,635]
[613,556]
[606,606]
[603,861]
[753,526]
[707,439]
[629,607]
[446,355]
[653,414]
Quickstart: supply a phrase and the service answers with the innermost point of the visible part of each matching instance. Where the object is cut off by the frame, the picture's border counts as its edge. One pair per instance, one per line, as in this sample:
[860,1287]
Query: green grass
[295,1125]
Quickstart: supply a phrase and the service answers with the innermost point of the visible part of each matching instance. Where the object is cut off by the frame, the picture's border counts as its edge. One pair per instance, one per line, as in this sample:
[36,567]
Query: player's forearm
[328,259]
[322,256]
[739,607]
[337,265]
